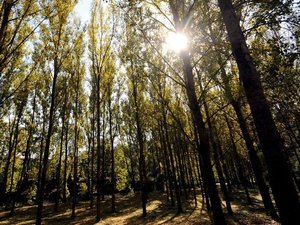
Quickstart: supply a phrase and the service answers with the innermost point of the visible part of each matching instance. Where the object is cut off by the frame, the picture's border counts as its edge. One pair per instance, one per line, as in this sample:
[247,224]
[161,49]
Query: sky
[83,9]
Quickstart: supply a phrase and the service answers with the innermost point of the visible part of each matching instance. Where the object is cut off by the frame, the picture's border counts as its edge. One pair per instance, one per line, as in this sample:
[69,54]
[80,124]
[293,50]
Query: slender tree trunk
[14,131]
[113,180]
[179,156]
[75,171]
[13,170]
[142,164]
[167,163]
[204,151]
[241,172]
[41,154]
[103,154]
[41,188]
[58,169]
[256,164]
[217,160]
[191,168]
[215,148]
[130,146]
[66,161]
[76,135]
[98,152]
[203,181]
[7,9]
[92,160]
[281,180]
[24,170]
[88,176]
[176,187]
[14,151]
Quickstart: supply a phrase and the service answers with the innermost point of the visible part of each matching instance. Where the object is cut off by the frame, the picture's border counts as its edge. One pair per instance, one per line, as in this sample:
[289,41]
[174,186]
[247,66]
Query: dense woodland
[91,112]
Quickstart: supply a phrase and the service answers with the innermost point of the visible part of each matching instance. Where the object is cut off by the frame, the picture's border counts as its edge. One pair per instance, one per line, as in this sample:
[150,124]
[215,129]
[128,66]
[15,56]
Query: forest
[150,112]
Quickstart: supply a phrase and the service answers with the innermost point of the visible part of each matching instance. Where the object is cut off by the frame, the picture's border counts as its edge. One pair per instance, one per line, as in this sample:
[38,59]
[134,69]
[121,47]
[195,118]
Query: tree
[58,27]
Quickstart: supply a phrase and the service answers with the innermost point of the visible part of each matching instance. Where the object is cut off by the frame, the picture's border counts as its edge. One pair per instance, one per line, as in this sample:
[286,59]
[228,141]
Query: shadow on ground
[129,212]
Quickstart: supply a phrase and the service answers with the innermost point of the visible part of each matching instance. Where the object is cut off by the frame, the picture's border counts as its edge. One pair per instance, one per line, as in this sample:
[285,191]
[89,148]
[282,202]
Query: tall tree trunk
[113,179]
[58,169]
[281,180]
[88,175]
[217,160]
[191,168]
[92,160]
[98,151]
[102,182]
[13,168]
[41,188]
[255,162]
[24,170]
[203,148]
[76,136]
[41,153]
[14,131]
[4,17]
[171,158]
[142,164]
[167,164]
[241,172]
[66,160]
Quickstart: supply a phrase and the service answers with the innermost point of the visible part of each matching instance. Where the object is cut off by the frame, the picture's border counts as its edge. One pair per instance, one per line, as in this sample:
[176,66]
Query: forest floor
[129,212]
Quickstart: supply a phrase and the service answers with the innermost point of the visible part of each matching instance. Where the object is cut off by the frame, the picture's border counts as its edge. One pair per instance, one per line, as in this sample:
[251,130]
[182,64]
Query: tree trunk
[256,164]
[41,188]
[26,157]
[76,136]
[217,160]
[41,153]
[66,161]
[7,9]
[204,141]
[13,133]
[98,151]
[241,172]
[142,165]
[58,169]
[113,180]
[92,160]
[171,158]
[167,165]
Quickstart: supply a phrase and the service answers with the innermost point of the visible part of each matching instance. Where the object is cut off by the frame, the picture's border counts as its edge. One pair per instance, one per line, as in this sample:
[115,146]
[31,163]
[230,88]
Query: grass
[129,212]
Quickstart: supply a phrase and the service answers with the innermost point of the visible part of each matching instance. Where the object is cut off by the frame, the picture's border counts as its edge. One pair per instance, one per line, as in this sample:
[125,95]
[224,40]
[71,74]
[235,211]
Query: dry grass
[129,212]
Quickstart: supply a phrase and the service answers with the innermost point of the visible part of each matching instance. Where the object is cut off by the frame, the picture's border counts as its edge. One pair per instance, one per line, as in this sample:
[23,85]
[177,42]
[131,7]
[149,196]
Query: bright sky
[83,9]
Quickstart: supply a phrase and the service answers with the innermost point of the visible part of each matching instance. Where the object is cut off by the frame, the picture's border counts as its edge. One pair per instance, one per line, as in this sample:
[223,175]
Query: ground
[129,212]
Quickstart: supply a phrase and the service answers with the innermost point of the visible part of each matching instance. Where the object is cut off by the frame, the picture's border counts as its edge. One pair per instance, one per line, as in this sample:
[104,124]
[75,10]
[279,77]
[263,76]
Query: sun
[176,41]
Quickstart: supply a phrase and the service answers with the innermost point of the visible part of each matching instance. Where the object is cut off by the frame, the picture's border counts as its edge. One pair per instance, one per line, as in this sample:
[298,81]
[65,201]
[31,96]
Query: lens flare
[176,41]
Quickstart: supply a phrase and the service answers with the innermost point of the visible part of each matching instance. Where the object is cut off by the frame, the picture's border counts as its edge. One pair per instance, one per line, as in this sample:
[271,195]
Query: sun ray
[176,41]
